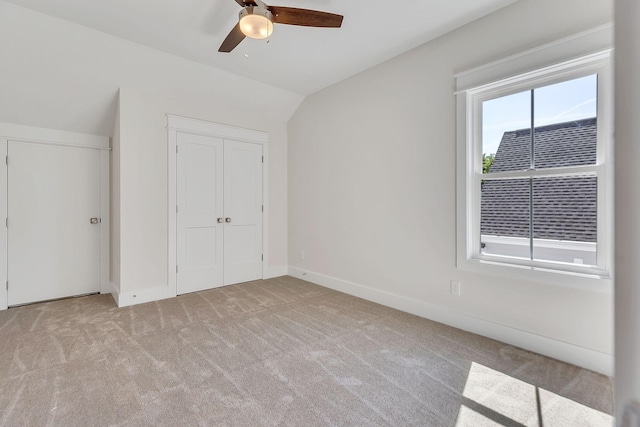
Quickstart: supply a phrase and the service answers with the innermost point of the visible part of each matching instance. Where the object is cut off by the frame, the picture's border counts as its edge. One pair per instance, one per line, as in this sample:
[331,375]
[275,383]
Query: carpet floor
[275,352]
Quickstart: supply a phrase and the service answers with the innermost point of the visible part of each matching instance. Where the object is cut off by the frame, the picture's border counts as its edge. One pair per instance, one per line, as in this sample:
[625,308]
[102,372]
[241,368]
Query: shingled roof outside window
[564,208]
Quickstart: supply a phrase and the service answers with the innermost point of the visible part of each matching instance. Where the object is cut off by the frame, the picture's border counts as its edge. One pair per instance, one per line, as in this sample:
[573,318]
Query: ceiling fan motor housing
[256,22]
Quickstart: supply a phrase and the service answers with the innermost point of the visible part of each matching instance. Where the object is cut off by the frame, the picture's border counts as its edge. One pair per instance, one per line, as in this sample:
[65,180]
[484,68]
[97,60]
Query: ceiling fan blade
[240,2]
[233,39]
[305,17]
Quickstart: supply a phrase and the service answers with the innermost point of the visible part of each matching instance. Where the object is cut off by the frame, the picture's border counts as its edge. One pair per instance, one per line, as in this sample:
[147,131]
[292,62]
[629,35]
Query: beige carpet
[275,352]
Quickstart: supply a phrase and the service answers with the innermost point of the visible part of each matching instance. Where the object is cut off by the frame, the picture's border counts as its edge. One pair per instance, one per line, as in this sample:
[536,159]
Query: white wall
[143,172]
[372,189]
[627,384]
[59,75]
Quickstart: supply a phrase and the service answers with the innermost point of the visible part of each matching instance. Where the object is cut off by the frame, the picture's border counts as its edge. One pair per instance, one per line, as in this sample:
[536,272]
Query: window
[534,154]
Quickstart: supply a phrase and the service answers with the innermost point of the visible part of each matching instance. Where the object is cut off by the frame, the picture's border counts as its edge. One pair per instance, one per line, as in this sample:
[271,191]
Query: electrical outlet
[301,255]
[455,287]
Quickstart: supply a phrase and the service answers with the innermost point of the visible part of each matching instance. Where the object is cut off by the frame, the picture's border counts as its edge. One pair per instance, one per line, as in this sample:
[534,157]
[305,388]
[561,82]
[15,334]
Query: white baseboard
[272,272]
[145,295]
[570,353]
[163,292]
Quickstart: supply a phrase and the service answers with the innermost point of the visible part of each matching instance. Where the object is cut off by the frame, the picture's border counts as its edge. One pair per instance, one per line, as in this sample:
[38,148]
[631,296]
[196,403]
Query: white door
[219,212]
[53,246]
[243,212]
[200,225]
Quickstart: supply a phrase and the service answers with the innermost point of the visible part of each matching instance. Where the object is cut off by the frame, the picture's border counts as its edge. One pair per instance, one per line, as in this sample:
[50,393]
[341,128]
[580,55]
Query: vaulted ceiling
[299,59]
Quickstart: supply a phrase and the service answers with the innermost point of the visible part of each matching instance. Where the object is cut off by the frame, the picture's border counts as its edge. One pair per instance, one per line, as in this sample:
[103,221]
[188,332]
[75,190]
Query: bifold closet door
[53,225]
[219,212]
[200,215]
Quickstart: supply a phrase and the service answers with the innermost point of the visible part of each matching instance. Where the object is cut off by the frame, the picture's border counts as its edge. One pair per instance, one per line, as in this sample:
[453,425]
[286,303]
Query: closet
[219,211]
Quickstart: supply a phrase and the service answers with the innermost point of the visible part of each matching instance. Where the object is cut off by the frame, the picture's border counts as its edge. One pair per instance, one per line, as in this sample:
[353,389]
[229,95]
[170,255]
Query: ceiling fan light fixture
[256,22]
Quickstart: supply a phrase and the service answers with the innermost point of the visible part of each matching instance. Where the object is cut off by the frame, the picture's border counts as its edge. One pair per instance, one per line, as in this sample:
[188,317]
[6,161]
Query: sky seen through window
[558,103]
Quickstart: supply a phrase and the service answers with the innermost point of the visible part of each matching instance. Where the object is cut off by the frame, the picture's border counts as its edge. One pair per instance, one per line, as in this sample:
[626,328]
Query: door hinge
[176,269]
[6,222]
[176,149]
[176,208]
[262,208]
[262,159]
[262,257]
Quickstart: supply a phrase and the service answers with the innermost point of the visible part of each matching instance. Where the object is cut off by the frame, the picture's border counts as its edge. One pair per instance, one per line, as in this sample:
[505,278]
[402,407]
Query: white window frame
[557,62]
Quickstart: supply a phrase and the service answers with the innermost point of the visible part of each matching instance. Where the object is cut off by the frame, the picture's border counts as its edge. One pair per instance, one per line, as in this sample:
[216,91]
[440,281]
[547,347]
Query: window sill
[602,283]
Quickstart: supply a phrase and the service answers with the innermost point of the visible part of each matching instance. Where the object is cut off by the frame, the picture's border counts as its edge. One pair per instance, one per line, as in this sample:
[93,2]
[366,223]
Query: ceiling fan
[256,21]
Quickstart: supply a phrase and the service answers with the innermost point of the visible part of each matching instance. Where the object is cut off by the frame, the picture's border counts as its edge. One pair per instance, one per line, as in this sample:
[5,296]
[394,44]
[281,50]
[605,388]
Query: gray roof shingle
[564,207]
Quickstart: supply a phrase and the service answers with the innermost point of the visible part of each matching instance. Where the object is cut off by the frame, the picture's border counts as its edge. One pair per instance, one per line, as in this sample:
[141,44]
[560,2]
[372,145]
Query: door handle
[219,220]
[94,220]
[227,219]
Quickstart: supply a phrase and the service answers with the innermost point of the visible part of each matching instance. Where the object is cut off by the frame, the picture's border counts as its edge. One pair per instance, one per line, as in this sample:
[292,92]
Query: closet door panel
[243,212]
[200,231]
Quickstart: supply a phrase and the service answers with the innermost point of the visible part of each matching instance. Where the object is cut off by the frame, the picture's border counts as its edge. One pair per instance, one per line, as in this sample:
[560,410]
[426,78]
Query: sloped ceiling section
[300,59]
[60,75]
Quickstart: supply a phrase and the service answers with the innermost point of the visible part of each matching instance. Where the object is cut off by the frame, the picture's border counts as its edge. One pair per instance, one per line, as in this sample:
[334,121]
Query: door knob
[94,220]
[227,219]
[219,220]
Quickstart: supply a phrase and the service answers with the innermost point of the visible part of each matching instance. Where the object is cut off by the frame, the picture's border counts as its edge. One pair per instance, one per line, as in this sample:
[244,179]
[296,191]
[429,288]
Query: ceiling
[299,59]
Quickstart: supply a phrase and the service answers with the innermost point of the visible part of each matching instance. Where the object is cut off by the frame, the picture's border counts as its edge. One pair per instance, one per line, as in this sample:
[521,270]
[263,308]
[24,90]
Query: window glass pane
[565,219]
[505,218]
[506,133]
[565,123]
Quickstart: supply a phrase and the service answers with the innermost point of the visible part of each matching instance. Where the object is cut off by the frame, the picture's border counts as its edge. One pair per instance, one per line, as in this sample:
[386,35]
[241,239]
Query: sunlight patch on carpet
[492,398]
